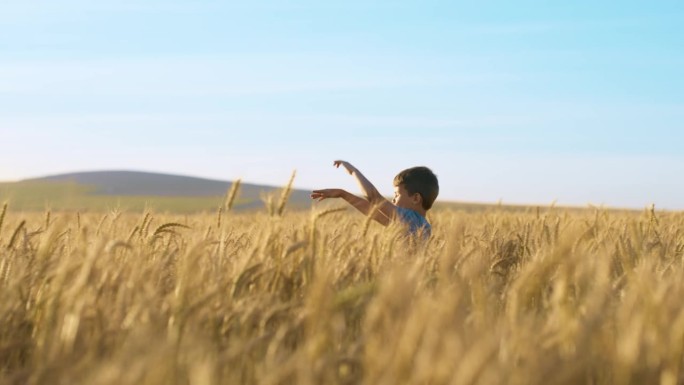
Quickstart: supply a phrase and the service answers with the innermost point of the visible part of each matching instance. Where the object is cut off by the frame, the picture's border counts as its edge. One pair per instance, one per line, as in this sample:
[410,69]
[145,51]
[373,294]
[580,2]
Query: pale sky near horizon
[525,102]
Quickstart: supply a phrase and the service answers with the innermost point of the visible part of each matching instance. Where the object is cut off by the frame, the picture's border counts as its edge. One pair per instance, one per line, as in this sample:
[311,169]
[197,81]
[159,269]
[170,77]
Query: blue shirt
[414,221]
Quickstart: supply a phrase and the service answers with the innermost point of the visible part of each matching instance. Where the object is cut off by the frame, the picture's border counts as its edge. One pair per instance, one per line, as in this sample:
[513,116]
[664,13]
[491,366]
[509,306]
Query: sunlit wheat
[549,296]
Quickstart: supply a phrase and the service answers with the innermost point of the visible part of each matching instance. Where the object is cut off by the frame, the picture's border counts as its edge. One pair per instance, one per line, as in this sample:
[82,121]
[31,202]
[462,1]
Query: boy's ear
[417,198]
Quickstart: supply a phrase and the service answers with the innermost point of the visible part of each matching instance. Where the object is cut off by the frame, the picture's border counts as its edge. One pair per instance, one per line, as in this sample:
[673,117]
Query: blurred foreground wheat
[556,297]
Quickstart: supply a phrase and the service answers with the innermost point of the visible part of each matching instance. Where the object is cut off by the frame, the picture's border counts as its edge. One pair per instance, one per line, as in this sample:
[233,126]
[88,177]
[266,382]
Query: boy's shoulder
[414,220]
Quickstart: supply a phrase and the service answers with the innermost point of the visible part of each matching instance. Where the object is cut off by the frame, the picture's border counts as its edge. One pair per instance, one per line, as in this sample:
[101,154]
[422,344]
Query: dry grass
[495,298]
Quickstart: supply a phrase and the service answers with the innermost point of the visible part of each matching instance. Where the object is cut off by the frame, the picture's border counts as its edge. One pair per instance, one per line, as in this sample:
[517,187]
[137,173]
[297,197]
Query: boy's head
[421,181]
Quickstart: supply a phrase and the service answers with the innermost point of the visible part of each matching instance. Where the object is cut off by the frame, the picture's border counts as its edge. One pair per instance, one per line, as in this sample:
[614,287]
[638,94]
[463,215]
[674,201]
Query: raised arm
[364,206]
[369,191]
[383,207]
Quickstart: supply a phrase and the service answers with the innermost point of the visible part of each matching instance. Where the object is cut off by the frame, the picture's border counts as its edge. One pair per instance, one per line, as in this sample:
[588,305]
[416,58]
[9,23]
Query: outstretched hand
[350,169]
[319,195]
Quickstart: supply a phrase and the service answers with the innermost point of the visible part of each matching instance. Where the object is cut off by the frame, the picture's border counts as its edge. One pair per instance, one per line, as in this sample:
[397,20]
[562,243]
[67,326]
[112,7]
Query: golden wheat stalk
[330,211]
[2,216]
[218,217]
[101,223]
[144,226]
[232,195]
[47,219]
[15,235]
[169,227]
[285,194]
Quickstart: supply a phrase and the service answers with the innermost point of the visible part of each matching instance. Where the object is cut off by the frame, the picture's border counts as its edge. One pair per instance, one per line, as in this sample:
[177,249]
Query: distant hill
[136,190]
[127,183]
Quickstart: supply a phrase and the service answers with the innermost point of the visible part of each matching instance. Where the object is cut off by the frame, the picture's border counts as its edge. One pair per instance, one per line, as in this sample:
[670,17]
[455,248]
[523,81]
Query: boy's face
[402,198]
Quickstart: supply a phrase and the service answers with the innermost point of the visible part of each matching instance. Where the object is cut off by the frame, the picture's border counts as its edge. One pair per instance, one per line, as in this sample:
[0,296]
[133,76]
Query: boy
[415,189]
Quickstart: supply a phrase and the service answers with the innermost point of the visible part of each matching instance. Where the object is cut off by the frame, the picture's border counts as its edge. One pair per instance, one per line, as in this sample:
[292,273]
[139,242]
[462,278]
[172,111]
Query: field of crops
[324,297]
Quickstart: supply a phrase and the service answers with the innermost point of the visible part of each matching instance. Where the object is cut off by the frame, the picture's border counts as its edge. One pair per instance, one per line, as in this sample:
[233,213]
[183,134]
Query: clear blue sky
[527,102]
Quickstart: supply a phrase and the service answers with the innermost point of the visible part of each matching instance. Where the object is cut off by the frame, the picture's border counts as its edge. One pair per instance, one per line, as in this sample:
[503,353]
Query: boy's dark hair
[419,180]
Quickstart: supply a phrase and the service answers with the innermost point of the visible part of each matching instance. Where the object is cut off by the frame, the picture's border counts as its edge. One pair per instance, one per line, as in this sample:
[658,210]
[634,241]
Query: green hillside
[132,191]
[73,196]
[137,191]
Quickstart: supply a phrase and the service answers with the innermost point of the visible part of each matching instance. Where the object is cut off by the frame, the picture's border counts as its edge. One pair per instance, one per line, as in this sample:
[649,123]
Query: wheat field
[547,296]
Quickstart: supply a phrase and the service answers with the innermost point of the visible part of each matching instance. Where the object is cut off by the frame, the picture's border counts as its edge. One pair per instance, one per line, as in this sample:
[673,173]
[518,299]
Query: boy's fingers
[318,195]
